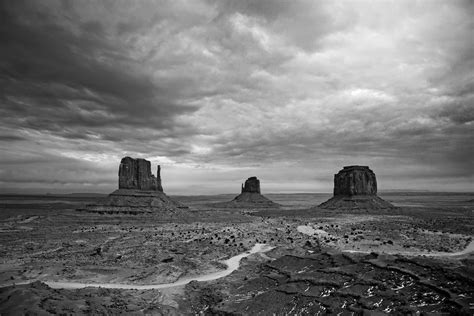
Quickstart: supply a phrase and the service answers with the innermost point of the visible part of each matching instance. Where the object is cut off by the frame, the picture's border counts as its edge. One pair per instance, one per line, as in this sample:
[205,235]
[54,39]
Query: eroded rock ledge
[329,282]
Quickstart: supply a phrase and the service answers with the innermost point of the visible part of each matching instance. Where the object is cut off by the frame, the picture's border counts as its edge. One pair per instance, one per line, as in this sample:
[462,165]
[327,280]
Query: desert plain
[414,259]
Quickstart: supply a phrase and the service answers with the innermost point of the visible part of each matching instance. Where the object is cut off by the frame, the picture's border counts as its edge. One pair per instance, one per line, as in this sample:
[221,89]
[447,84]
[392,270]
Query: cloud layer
[217,91]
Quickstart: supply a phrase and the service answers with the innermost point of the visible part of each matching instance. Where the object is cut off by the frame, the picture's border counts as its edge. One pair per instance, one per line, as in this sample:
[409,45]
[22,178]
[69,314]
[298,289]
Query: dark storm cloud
[54,78]
[459,112]
[314,18]
[7,138]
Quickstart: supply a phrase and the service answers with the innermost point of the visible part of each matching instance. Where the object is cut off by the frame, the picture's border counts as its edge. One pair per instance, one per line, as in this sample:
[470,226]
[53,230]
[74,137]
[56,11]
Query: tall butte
[139,191]
[252,185]
[135,174]
[355,187]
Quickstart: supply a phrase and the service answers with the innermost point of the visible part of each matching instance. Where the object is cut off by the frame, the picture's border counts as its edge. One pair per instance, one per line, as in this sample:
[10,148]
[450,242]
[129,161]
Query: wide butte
[355,187]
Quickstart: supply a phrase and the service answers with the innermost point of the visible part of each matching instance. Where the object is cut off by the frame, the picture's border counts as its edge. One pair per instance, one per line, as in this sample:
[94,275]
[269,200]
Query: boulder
[355,187]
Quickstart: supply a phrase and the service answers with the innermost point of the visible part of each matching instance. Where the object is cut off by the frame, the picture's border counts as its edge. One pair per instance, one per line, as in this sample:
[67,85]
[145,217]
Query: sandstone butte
[355,187]
[250,197]
[135,174]
[139,191]
[252,185]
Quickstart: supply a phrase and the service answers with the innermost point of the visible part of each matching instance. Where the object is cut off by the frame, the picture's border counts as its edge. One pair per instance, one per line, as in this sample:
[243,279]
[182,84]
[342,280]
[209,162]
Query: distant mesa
[355,187]
[250,197]
[139,191]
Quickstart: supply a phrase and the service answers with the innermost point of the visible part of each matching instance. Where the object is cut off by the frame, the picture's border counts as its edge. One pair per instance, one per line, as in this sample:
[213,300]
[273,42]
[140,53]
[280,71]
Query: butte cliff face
[135,174]
[355,180]
[139,191]
[355,187]
[252,185]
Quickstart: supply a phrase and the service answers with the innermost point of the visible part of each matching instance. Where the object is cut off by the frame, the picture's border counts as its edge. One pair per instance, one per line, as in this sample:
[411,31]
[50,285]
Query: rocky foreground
[326,261]
[326,282]
[300,283]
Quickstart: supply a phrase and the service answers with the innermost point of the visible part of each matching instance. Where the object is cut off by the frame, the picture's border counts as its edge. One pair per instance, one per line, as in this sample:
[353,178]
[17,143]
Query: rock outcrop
[355,187]
[355,180]
[250,197]
[139,191]
[135,174]
[252,185]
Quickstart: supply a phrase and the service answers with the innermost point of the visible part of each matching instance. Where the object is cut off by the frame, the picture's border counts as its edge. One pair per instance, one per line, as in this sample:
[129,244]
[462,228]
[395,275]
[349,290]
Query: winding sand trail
[232,263]
[469,248]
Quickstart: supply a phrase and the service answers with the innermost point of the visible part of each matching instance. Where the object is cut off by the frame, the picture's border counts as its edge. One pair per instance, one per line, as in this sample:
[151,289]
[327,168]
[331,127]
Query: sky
[218,91]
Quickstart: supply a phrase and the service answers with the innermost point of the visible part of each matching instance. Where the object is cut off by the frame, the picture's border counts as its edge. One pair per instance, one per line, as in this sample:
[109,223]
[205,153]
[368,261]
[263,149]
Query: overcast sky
[218,91]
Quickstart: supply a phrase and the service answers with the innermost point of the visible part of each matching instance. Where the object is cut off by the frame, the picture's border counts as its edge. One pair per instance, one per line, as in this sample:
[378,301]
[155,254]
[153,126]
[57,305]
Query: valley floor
[417,257]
